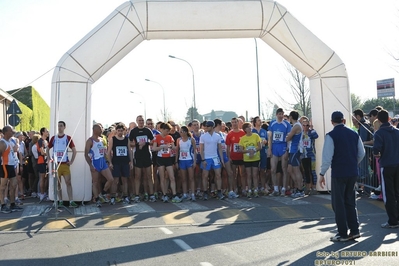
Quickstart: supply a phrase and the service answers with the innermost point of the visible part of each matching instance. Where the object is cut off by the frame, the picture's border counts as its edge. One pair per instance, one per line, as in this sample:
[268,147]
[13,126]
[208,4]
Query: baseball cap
[337,116]
[210,123]
[19,133]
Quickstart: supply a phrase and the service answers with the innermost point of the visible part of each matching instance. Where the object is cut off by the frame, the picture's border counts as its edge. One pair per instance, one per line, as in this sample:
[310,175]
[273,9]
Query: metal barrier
[369,170]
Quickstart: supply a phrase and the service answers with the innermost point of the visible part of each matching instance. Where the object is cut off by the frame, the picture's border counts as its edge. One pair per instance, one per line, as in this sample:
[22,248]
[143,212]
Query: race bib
[216,161]
[102,151]
[183,154]
[278,136]
[307,143]
[141,139]
[60,154]
[236,147]
[223,147]
[121,151]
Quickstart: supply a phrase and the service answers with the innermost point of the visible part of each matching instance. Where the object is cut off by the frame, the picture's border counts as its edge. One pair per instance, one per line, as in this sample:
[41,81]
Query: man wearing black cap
[343,150]
[386,148]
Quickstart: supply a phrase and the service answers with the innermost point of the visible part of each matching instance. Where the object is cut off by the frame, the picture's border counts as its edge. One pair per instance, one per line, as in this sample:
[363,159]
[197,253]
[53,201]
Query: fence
[369,170]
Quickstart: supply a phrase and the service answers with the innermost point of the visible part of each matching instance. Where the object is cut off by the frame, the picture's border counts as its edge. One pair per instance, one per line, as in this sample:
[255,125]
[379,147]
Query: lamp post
[257,74]
[192,70]
[163,92]
[145,105]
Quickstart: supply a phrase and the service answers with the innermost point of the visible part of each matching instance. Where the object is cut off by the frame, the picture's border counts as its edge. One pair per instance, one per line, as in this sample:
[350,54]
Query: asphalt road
[261,231]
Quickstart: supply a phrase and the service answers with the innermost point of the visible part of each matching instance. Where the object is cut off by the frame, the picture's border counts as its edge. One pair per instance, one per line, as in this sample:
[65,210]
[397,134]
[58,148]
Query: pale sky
[36,33]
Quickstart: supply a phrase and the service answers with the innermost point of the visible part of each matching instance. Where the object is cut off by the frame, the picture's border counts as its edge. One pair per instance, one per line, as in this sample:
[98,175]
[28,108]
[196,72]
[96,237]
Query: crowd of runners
[167,162]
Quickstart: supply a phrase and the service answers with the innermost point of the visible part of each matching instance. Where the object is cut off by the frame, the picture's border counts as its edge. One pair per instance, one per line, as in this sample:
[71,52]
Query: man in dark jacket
[343,150]
[386,147]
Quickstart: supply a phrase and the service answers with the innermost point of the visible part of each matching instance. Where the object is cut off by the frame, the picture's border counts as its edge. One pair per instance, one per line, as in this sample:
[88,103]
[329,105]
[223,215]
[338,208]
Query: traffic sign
[13,109]
[14,120]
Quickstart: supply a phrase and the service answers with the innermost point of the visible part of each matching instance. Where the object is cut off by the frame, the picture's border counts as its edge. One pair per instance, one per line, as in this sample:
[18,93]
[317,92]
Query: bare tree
[298,83]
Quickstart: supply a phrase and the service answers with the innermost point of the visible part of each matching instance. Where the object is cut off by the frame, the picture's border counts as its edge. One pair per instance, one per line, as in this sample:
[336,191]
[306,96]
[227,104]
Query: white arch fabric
[138,20]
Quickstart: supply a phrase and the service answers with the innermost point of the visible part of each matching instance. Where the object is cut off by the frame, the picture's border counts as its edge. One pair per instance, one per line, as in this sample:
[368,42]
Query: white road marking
[183,245]
[166,230]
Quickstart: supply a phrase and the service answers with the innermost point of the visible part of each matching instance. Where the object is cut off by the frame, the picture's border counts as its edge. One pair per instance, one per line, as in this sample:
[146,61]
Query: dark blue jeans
[343,200]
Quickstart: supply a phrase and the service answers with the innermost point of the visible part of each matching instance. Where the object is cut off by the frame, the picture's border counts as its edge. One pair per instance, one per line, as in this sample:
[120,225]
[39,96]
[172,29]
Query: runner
[257,128]
[233,152]
[164,144]
[7,171]
[61,142]
[295,150]
[211,151]
[141,137]
[227,166]
[186,152]
[95,152]
[278,130]
[250,146]
[121,161]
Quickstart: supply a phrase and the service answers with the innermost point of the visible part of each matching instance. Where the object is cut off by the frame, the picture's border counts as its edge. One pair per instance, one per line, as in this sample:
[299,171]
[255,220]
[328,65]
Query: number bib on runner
[236,147]
[183,154]
[306,143]
[278,136]
[216,161]
[121,151]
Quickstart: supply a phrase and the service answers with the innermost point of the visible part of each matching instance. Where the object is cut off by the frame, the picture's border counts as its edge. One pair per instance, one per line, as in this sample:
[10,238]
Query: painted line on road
[378,203]
[8,225]
[286,212]
[239,203]
[191,206]
[166,231]
[178,217]
[205,264]
[182,244]
[139,208]
[87,210]
[289,200]
[117,221]
[61,224]
[33,210]
[233,215]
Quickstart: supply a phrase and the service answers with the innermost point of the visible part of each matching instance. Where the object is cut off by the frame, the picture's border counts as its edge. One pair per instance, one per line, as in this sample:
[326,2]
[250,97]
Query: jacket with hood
[386,143]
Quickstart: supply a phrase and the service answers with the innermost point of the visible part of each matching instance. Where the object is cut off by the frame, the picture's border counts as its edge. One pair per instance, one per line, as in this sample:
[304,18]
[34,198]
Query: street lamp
[145,105]
[257,74]
[163,92]
[192,70]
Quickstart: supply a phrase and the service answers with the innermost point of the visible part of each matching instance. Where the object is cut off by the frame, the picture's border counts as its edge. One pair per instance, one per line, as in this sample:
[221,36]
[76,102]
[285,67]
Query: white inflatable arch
[138,20]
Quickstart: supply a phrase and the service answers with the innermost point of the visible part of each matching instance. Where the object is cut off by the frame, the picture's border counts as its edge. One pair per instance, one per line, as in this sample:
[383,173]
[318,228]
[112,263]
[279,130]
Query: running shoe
[98,204]
[103,198]
[6,201]
[387,225]
[176,199]
[18,201]
[112,202]
[165,199]
[72,204]
[136,199]
[126,200]
[256,194]
[184,197]
[5,209]
[153,199]
[338,238]
[16,208]
[274,194]
[60,203]
[249,194]
[118,199]
[220,196]
[282,192]
[193,197]
[146,197]
[233,195]
[33,195]
[205,196]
